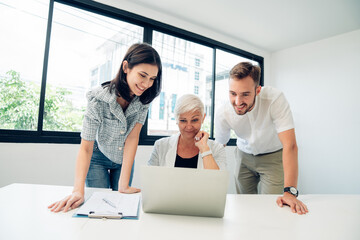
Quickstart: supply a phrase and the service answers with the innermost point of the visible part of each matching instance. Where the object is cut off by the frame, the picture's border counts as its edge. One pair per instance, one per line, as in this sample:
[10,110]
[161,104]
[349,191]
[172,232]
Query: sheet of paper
[111,202]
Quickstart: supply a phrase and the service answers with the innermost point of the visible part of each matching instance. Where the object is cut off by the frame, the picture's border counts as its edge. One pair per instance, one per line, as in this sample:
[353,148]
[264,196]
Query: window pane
[187,68]
[86,50]
[22,44]
[224,63]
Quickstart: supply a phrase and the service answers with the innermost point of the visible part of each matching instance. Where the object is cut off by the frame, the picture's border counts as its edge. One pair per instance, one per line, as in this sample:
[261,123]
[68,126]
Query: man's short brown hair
[244,69]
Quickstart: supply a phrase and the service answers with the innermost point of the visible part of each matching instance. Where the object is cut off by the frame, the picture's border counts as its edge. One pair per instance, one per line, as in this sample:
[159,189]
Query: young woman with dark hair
[113,119]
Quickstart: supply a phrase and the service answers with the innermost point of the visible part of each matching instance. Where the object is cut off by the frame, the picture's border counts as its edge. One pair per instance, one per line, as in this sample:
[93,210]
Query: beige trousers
[259,174]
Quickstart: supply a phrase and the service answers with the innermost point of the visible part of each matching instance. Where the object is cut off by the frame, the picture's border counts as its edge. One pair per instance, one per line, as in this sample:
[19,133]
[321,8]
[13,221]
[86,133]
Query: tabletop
[24,215]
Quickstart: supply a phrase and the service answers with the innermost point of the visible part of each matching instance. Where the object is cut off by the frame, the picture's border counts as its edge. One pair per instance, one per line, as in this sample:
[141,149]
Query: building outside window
[173,102]
[86,50]
[197,75]
[197,62]
[196,90]
[162,106]
[178,78]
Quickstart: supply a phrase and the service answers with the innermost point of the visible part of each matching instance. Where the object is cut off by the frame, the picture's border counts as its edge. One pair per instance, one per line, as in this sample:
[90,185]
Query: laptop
[184,191]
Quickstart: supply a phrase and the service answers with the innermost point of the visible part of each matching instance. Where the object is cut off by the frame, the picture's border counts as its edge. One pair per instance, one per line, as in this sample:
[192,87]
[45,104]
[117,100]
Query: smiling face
[242,93]
[140,77]
[190,124]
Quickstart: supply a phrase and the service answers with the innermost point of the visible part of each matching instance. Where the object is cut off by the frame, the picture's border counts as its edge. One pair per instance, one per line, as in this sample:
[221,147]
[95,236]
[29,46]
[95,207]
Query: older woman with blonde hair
[191,147]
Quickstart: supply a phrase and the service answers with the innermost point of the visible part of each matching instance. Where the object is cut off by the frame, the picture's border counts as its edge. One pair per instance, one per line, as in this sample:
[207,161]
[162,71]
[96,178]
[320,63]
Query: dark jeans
[103,173]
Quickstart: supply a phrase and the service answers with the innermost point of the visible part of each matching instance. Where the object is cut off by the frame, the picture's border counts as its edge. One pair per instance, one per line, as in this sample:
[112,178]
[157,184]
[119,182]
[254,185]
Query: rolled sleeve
[281,114]
[222,128]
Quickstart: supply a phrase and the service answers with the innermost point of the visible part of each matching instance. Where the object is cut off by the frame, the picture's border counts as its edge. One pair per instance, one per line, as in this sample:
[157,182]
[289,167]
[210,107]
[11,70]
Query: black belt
[261,154]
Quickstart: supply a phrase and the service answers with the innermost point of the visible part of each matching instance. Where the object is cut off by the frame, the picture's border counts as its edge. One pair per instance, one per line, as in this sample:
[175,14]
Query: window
[173,102]
[196,90]
[149,112]
[22,41]
[197,62]
[176,54]
[197,77]
[162,106]
[55,51]
[86,50]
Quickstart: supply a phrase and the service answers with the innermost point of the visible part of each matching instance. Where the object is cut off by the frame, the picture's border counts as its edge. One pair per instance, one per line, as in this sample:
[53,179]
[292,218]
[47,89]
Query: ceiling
[270,25]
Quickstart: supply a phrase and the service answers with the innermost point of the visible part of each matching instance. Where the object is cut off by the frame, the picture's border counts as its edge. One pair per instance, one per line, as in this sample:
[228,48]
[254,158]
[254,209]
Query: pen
[109,202]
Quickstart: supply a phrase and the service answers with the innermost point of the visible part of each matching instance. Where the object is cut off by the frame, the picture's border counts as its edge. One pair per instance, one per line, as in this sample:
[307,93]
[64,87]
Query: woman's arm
[82,167]
[130,147]
[208,161]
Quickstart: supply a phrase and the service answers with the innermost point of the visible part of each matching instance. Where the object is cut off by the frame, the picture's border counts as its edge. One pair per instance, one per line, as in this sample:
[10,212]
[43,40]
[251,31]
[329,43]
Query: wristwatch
[292,190]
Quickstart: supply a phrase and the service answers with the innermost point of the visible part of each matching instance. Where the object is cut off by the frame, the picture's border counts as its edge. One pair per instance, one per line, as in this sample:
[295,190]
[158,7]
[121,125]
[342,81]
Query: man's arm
[290,157]
[290,164]
[222,132]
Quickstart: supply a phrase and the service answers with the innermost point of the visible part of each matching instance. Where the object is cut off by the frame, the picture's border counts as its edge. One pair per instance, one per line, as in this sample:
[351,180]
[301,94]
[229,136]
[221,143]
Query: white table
[24,215]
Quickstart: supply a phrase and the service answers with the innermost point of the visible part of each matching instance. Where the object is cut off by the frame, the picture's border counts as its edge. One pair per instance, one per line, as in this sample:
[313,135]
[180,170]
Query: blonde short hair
[188,103]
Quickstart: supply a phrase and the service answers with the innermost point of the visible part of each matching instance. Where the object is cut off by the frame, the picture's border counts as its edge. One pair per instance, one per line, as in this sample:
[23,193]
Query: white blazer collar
[172,151]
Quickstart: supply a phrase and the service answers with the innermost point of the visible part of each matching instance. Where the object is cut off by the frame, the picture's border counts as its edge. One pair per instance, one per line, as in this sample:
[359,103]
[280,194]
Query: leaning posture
[115,114]
[266,153]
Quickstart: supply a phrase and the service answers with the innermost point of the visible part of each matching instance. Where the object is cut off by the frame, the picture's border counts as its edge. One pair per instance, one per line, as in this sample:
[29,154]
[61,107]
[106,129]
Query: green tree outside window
[19,106]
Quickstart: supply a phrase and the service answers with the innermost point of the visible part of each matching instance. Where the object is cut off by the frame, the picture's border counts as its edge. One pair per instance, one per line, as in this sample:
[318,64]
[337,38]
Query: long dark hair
[137,54]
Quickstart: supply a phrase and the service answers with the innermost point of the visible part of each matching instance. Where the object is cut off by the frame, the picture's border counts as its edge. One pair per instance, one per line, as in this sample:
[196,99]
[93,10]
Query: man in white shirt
[266,153]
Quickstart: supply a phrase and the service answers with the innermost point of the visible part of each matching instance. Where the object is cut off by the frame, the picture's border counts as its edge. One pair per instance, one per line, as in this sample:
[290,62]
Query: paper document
[111,203]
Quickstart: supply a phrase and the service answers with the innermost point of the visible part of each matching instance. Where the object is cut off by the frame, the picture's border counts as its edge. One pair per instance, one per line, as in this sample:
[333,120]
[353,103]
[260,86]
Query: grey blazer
[164,153]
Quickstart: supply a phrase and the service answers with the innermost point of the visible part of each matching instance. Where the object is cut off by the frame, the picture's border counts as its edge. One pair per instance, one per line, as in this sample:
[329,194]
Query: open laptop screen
[184,191]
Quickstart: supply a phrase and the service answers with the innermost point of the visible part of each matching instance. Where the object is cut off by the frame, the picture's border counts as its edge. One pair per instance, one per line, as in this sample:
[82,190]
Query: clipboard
[105,215]
[110,205]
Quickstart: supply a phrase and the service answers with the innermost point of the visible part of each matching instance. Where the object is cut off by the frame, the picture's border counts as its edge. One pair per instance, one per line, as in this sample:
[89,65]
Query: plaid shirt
[105,121]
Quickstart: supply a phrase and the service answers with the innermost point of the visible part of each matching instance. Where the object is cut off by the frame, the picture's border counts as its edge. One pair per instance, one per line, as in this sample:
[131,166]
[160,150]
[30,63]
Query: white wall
[321,80]
[54,164]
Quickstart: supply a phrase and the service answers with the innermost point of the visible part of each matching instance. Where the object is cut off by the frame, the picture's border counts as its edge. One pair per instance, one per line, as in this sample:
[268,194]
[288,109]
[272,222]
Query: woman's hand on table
[70,202]
[129,190]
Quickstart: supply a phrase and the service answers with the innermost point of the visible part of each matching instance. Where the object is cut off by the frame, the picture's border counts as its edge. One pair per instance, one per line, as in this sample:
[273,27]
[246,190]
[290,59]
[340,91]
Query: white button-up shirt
[257,131]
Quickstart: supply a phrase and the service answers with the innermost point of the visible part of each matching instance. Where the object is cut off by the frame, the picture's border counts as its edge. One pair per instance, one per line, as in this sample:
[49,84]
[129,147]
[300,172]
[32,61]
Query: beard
[247,109]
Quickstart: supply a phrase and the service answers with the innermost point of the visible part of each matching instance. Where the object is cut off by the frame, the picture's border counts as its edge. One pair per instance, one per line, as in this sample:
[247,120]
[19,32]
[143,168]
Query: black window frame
[149,25]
